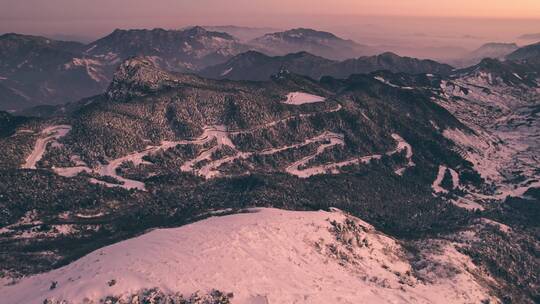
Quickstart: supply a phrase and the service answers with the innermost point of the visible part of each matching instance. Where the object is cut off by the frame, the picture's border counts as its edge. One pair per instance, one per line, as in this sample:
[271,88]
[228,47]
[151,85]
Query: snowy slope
[503,117]
[265,256]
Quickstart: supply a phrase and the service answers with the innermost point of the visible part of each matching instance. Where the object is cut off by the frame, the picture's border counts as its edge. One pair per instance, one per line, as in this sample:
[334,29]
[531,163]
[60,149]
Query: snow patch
[71,171]
[381,79]
[298,98]
[91,48]
[227,71]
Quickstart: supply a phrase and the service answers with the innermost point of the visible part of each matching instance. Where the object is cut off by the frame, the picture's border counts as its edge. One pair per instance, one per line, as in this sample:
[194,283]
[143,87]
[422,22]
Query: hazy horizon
[419,28]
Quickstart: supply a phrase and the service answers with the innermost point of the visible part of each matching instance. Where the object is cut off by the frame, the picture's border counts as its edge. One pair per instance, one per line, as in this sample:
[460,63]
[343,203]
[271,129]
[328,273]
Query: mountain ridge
[72,71]
[258,66]
[320,43]
[530,51]
[494,50]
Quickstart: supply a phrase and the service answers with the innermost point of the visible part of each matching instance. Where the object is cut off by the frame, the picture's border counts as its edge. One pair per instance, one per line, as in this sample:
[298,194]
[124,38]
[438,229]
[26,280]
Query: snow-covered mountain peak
[263,256]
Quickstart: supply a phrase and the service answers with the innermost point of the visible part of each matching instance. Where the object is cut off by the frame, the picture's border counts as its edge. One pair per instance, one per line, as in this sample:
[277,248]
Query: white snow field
[298,98]
[48,135]
[266,256]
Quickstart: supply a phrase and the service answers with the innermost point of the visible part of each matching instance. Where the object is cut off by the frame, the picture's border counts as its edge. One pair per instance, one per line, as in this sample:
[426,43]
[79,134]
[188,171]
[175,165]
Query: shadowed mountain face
[254,65]
[36,70]
[9,123]
[257,66]
[527,52]
[25,52]
[184,50]
[510,73]
[11,99]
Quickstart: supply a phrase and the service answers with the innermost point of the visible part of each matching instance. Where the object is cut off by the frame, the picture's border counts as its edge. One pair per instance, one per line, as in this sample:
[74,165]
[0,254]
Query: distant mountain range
[492,50]
[535,36]
[37,70]
[257,66]
[319,43]
[243,33]
[185,50]
[507,73]
[41,71]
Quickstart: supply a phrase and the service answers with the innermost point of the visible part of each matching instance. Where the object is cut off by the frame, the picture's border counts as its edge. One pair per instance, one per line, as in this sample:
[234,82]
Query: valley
[190,166]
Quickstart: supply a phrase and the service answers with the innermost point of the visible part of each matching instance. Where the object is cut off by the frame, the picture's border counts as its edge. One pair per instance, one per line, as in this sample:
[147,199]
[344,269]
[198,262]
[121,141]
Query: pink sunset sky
[429,24]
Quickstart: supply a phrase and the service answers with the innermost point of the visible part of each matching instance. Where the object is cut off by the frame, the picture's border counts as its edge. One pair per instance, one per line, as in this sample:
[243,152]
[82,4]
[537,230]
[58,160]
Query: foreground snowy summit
[262,256]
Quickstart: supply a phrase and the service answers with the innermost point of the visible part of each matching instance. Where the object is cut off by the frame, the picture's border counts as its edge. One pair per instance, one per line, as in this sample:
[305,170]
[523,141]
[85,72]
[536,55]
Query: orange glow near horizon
[98,17]
[425,8]
[13,9]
